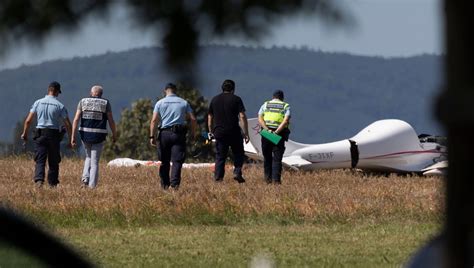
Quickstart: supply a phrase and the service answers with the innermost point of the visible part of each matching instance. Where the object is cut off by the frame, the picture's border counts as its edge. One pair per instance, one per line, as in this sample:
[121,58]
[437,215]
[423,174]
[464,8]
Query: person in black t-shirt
[225,111]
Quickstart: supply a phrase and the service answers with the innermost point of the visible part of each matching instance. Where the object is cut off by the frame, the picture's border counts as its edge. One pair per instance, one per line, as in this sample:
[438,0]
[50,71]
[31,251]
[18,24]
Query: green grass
[360,244]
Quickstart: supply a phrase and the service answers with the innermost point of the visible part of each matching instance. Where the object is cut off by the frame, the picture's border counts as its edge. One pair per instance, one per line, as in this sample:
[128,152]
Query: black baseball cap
[55,85]
[170,86]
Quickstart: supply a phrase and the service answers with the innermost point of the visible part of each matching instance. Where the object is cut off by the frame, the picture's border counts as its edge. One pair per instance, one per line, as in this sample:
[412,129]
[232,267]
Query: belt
[173,127]
[48,130]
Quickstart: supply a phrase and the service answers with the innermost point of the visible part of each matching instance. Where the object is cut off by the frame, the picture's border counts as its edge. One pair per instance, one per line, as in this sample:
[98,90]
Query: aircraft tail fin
[254,146]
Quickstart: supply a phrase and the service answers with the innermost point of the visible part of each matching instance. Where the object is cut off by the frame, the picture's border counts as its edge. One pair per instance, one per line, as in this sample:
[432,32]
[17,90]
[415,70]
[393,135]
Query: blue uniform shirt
[49,112]
[172,110]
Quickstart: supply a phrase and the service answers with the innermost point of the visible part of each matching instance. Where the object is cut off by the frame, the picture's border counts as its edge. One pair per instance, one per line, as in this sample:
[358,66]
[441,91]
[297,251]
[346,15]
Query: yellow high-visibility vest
[274,113]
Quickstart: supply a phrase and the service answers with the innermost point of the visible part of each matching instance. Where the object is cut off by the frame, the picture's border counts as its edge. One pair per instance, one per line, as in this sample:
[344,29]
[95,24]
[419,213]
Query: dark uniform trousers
[272,157]
[172,148]
[236,144]
[47,148]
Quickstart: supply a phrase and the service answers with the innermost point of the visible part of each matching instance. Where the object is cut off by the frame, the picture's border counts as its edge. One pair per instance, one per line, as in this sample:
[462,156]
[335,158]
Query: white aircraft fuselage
[389,145]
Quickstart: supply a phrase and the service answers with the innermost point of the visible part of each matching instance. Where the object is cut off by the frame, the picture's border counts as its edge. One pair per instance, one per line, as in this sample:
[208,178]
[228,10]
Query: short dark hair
[55,85]
[228,85]
[171,86]
[279,94]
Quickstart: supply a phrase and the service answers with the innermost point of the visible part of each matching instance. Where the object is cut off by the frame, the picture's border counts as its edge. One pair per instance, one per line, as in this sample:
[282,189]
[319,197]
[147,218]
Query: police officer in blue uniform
[93,112]
[171,114]
[50,115]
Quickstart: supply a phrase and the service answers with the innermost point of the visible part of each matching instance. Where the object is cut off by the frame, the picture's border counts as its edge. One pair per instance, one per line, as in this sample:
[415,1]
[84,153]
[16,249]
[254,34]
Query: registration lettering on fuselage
[321,156]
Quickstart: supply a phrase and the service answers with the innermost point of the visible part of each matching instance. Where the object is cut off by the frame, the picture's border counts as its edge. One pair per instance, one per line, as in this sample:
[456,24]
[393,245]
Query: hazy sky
[388,28]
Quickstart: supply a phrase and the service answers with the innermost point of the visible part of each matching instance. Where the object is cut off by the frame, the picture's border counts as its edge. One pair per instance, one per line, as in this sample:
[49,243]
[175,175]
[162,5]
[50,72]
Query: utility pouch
[157,142]
[158,136]
[36,133]
[285,134]
[62,132]
[179,129]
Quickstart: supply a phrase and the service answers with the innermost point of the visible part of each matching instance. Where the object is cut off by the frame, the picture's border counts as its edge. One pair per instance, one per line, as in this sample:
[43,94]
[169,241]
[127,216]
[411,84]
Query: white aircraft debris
[128,162]
[389,145]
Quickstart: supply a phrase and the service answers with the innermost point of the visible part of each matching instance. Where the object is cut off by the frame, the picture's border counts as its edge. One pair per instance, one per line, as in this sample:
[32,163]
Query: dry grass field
[322,218]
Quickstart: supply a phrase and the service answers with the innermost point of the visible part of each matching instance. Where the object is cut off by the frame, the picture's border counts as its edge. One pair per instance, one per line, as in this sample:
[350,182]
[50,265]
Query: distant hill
[332,95]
